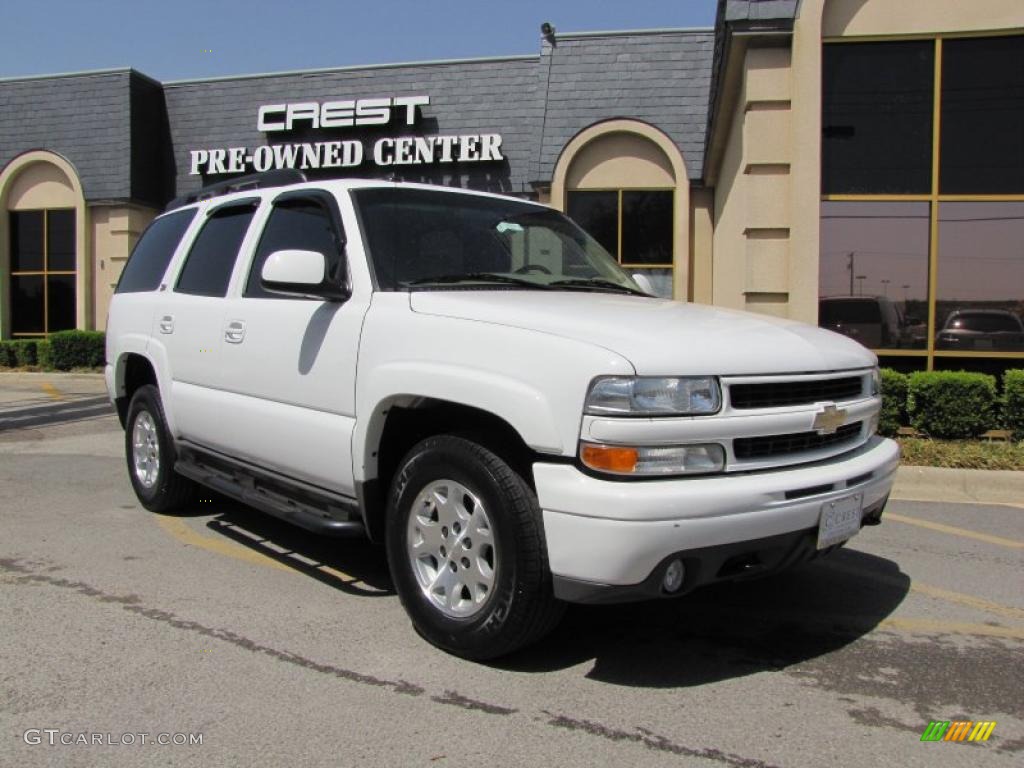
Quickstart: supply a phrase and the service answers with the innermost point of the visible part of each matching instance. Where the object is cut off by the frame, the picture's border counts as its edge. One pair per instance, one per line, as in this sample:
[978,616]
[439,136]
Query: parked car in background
[874,321]
[997,329]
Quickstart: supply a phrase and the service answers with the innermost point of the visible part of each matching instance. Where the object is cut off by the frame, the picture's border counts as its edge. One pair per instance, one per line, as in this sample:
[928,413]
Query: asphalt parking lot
[279,648]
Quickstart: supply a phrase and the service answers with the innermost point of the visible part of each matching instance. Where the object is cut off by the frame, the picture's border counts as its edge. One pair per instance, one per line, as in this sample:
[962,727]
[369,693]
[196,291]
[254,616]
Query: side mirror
[300,273]
[644,282]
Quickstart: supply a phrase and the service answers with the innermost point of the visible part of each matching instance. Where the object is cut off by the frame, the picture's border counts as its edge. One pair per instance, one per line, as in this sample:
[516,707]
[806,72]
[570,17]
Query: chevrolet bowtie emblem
[829,419]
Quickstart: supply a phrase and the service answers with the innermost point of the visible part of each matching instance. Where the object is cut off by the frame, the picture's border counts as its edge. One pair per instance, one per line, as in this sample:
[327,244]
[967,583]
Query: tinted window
[598,214]
[60,240]
[981,267]
[982,116]
[877,117]
[295,224]
[60,303]
[207,269]
[26,241]
[153,252]
[877,250]
[646,227]
[27,304]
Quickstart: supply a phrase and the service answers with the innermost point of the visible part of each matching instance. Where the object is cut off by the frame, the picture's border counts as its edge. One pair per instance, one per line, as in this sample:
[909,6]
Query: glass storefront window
[634,225]
[43,265]
[935,163]
[877,117]
[980,301]
[873,279]
[982,139]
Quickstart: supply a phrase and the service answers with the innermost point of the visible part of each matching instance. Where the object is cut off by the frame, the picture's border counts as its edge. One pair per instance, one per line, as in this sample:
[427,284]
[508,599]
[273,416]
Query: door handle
[235,332]
[167,324]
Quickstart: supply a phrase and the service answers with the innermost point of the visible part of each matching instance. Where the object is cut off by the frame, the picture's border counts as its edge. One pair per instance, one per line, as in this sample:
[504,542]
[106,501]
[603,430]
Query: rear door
[188,325]
[291,362]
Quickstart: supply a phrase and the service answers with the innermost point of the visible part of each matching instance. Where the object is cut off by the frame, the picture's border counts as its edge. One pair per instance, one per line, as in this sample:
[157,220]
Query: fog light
[673,578]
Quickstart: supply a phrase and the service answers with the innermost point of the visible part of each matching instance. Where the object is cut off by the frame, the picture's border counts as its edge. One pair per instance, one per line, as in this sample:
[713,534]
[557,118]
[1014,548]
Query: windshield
[840,311]
[983,322]
[422,239]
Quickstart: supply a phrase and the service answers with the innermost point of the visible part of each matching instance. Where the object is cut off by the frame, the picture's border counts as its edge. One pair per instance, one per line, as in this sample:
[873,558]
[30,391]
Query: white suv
[472,380]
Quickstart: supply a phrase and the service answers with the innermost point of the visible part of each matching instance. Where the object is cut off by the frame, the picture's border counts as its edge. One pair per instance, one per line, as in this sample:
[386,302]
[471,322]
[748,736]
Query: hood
[659,337]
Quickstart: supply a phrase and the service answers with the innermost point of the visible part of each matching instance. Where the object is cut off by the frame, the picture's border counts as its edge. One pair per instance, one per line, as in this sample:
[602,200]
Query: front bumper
[615,534]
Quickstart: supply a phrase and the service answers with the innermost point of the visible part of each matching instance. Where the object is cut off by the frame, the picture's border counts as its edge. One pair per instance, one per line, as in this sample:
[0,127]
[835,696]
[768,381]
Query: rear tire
[466,549]
[149,451]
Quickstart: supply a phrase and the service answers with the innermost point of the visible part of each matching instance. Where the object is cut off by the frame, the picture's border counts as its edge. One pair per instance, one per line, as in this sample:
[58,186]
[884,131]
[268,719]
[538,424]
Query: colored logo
[958,730]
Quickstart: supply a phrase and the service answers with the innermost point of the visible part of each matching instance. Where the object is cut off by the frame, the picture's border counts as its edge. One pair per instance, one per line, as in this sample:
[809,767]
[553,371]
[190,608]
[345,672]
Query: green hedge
[43,356]
[894,402]
[7,358]
[951,404]
[77,349]
[1013,403]
[24,352]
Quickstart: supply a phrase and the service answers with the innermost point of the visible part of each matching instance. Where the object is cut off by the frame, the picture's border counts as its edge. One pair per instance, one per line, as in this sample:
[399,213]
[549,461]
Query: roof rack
[277,178]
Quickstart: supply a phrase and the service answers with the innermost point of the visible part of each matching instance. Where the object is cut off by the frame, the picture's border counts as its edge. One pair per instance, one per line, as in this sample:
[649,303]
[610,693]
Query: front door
[291,362]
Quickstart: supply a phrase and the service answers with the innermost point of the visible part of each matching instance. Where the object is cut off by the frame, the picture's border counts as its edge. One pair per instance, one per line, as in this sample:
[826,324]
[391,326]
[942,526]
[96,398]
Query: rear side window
[208,266]
[145,269]
[294,224]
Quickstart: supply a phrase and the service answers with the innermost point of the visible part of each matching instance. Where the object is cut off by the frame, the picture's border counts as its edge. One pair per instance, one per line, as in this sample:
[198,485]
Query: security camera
[547,29]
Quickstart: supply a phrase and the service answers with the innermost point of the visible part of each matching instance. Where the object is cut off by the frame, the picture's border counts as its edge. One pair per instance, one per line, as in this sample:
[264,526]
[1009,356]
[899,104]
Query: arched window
[43,281]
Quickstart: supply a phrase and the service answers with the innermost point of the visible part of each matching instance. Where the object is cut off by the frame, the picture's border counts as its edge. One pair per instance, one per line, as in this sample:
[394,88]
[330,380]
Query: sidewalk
[959,485]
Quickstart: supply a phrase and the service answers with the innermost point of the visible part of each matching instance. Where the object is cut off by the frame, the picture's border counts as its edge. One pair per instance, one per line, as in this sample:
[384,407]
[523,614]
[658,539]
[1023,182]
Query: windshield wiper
[477,277]
[595,284]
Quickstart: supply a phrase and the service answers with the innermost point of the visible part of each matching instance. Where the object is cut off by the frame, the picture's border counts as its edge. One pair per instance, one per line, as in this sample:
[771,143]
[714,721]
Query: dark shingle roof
[659,77]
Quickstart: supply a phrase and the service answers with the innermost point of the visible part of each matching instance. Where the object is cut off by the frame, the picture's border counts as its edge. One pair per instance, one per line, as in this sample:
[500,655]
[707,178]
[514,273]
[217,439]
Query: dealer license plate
[840,519]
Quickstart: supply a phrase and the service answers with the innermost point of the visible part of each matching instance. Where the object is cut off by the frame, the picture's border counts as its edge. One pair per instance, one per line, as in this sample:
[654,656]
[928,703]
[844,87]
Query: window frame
[45,272]
[253,204]
[934,196]
[329,203]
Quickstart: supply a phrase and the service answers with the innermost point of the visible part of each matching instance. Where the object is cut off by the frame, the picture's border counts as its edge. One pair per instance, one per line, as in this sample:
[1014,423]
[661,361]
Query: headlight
[876,382]
[653,396]
[656,460]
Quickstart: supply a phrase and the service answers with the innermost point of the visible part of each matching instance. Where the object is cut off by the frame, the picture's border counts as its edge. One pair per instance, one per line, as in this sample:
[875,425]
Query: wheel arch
[400,422]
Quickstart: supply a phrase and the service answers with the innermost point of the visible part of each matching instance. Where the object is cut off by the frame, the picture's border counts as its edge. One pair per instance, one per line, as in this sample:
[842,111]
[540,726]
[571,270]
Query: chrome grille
[798,442]
[781,393]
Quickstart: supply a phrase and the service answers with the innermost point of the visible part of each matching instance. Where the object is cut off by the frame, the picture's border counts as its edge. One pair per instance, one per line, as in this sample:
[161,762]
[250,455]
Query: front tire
[466,549]
[150,454]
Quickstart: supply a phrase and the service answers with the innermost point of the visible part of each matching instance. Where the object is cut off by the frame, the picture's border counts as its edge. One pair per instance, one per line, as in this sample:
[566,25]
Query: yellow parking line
[938,593]
[970,601]
[184,533]
[954,531]
[936,626]
[52,391]
[1012,504]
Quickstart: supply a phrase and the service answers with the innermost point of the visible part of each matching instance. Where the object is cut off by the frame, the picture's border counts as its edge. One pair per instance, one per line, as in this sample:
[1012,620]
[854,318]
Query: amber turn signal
[609,458]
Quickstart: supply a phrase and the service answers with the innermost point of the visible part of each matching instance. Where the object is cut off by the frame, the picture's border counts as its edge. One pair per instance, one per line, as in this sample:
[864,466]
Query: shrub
[43,359]
[1013,403]
[951,404]
[77,349]
[7,358]
[24,352]
[894,402]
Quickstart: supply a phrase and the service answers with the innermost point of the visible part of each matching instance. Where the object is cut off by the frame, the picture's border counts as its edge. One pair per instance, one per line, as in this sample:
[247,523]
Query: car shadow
[716,633]
[727,630]
[354,566]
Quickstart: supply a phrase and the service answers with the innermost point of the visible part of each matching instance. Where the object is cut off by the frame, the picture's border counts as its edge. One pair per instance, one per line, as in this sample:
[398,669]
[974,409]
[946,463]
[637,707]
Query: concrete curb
[991,486]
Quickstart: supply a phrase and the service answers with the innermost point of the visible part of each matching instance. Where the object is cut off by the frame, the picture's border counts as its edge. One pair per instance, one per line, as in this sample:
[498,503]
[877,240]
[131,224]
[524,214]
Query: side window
[300,224]
[153,252]
[208,265]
